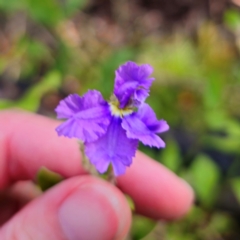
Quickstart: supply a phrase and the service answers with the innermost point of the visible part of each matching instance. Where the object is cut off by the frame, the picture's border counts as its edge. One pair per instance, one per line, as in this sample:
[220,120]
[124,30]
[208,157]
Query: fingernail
[87,214]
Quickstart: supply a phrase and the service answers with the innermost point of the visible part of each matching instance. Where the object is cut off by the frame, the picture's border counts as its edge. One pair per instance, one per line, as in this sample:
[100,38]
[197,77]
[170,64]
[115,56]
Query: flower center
[119,112]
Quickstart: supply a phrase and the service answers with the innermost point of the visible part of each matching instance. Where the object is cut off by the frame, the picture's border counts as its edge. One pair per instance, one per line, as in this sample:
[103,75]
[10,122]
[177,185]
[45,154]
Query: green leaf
[177,59]
[45,11]
[170,156]
[232,18]
[216,119]
[31,99]
[235,185]
[12,5]
[233,128]
[213,90]
[130,202]
[223,144]
[71,6]
[221,222]
[47,179]
[205,177]
[141,226]
[6,104]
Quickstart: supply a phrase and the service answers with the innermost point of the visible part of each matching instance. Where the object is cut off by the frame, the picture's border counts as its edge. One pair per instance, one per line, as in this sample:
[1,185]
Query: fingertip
[79,208]
[185,200]
[157,192]
[103,209]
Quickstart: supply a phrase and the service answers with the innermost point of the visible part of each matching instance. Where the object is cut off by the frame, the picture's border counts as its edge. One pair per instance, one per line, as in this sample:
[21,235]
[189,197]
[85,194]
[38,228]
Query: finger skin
[15,197]
[78,208]
[163,193]
[29,141]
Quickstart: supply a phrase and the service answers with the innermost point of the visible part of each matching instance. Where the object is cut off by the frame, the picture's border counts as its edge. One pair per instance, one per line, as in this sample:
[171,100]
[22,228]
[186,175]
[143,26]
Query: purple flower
[88,116]
[132,83]
[111,130]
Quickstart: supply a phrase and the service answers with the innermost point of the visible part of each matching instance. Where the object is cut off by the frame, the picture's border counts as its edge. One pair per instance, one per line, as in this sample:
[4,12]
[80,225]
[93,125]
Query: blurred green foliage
[46,179]
[50,48]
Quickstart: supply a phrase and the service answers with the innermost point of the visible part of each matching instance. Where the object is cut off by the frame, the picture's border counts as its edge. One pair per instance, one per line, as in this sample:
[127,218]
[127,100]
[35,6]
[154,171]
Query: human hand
[82,207]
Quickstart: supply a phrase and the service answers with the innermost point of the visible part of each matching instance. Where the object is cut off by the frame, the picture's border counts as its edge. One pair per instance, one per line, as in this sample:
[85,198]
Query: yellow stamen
[119,112]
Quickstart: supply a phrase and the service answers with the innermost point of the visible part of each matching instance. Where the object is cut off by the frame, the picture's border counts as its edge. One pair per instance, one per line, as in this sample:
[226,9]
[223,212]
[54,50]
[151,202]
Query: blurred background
[52,48]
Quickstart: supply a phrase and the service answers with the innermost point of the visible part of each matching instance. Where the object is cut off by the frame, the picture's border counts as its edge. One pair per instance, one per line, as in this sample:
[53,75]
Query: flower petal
[146,113]
[114,147]
[68,106]
[88,116]
[143,125]
[132,82]
[118,167]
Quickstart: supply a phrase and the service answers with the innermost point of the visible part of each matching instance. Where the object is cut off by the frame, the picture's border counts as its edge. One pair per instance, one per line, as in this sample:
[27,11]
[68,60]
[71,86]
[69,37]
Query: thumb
[80,208]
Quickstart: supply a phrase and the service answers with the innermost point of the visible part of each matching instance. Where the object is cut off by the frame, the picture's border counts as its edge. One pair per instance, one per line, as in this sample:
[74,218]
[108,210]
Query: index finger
[29,141]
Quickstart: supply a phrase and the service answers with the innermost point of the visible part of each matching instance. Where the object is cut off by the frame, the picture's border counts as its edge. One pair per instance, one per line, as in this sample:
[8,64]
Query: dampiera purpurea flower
[111,130]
